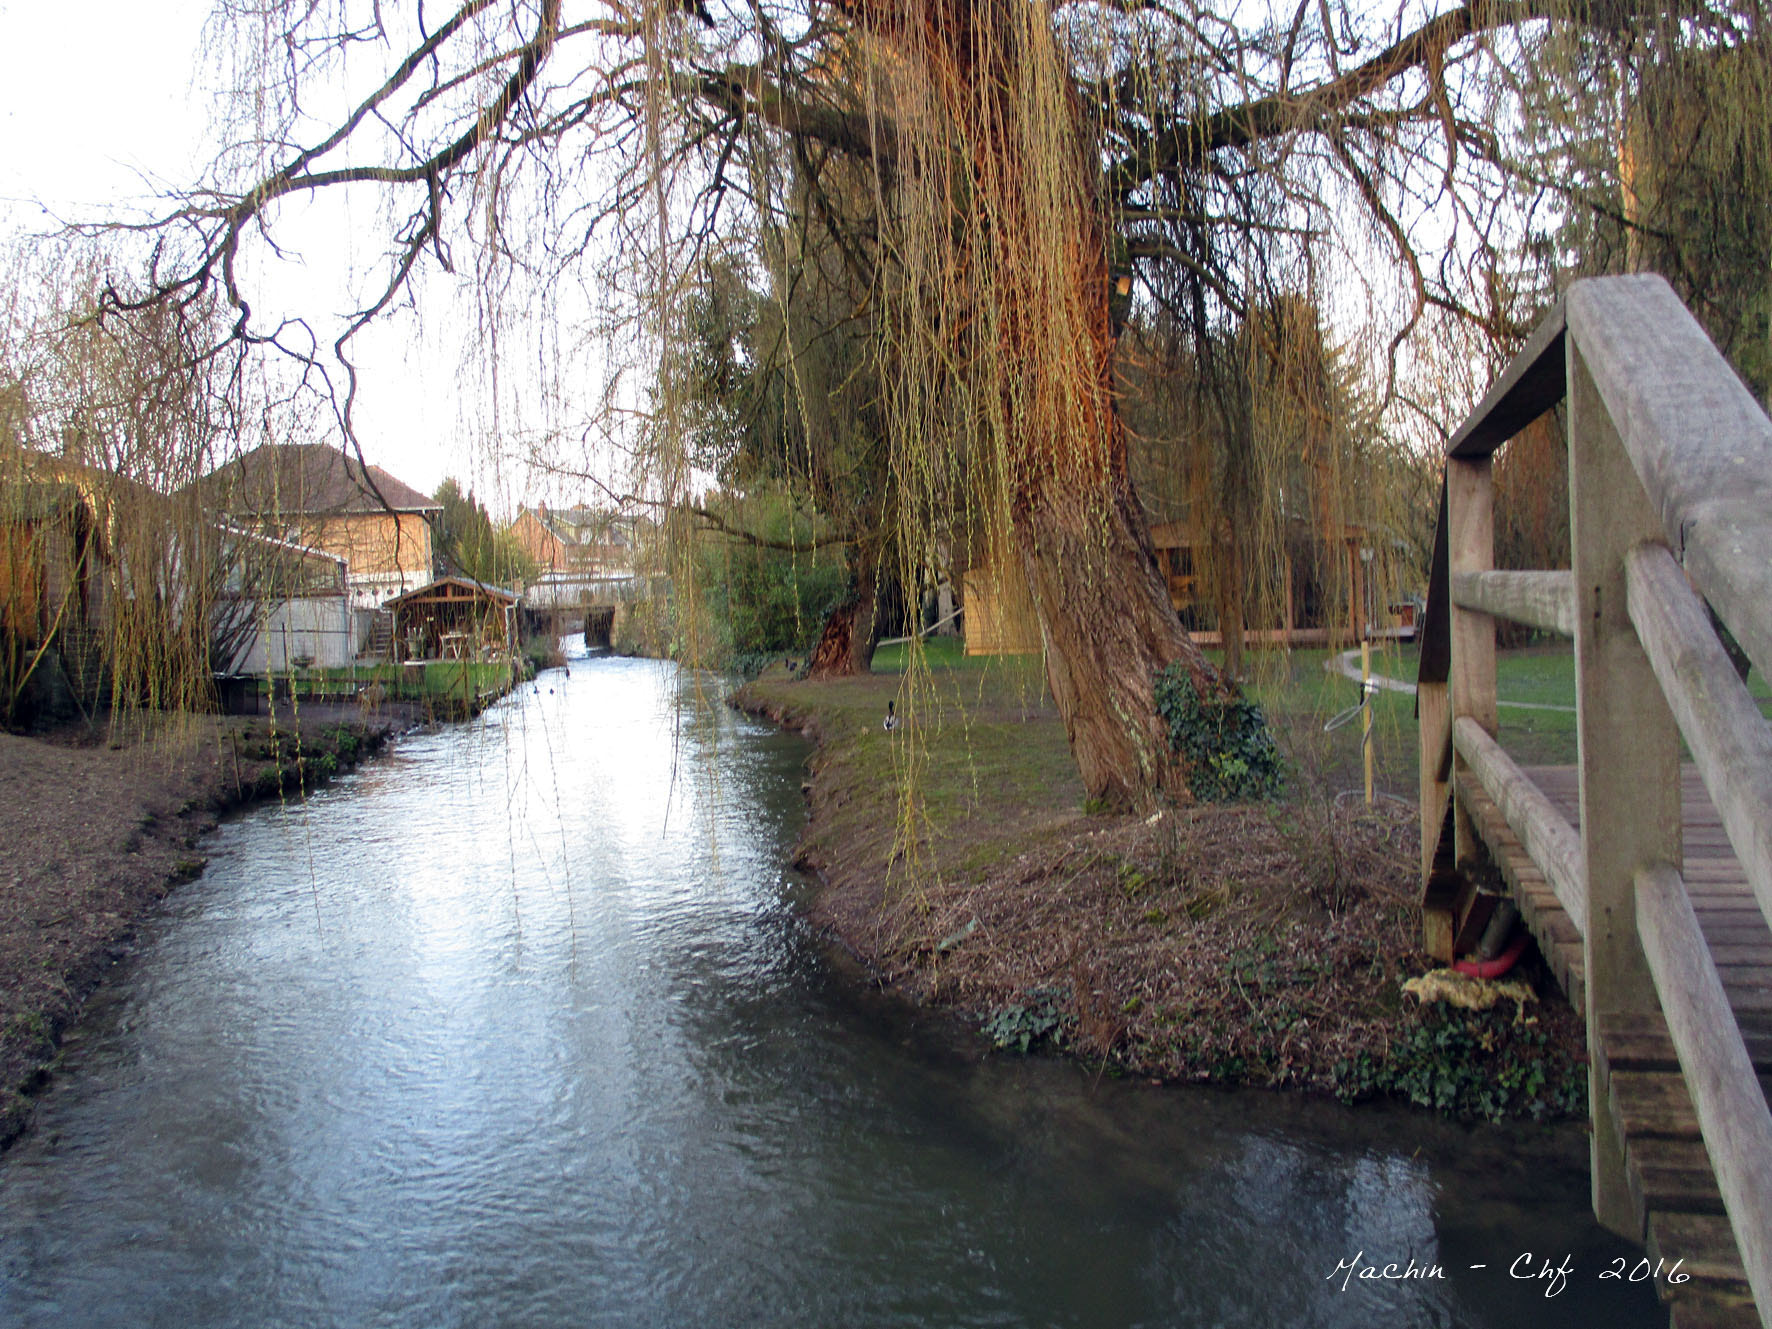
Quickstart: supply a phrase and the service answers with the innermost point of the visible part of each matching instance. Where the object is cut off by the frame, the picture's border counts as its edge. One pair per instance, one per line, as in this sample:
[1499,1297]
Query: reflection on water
[519,1027]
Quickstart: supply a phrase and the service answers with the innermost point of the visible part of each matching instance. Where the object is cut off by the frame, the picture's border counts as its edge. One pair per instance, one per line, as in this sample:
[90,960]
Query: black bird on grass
[891,719]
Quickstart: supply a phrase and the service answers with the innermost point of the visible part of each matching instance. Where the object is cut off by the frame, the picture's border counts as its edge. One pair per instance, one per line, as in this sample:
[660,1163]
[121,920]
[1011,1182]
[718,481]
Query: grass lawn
[429,681]
[1301,697]
[1299,694]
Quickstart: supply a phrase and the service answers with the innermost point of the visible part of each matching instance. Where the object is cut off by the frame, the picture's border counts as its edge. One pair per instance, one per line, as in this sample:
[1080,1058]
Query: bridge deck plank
[1740,940]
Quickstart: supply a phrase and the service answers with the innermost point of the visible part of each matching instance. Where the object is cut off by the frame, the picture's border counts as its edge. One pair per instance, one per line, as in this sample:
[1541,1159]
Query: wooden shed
[454,618]
[1324,588]
[999,612]
[59,567]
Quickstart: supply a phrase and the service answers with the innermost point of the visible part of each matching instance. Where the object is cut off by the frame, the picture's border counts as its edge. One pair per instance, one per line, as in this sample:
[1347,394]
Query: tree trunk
[1036,259]
[1109,629]
[1233,602]
[846,645]
[1105,616]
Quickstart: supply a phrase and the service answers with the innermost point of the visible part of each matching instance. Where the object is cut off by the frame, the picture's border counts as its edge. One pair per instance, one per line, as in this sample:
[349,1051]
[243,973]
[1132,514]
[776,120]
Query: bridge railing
[565,590]
[1670,484]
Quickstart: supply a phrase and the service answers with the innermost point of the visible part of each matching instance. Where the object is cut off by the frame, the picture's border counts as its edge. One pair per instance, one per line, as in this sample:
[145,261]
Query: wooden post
[1366,714]
[1287,619]
[1433,712]
[1470,518]
[1630,752]
[1432,708]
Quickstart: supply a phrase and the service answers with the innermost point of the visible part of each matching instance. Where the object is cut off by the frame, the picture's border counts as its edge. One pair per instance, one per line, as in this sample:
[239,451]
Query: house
[283,607]
[316,497]
[578,541]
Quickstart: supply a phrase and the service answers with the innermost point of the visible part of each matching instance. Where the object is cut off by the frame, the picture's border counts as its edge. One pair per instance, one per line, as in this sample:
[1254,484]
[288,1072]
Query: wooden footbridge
[1645,871]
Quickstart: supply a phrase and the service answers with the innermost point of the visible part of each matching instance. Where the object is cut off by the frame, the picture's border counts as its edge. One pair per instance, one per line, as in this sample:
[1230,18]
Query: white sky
[91,133]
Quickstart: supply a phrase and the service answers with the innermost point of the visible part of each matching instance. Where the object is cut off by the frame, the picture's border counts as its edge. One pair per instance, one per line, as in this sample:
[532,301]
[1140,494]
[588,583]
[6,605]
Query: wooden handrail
[1670,463]
[1699,442]
[1533,383]
[1549,840]
[1730,741]
[1538,599]
[1726,1095]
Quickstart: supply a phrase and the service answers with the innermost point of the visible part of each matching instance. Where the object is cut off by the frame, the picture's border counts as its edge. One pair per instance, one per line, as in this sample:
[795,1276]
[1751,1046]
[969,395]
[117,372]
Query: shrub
[1227,744]
[1472,1065]
[1023,1026]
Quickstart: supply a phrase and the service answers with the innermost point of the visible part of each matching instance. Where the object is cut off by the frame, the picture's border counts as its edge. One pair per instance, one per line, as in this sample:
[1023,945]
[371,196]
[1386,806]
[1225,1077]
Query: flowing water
[518,1026]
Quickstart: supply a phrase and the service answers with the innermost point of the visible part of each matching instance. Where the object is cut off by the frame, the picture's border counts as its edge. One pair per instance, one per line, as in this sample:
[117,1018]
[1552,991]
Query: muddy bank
[94,830]
[1261,944]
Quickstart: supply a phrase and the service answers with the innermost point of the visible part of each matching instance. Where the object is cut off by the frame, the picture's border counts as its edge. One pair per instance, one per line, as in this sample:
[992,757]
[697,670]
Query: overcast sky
[94,132]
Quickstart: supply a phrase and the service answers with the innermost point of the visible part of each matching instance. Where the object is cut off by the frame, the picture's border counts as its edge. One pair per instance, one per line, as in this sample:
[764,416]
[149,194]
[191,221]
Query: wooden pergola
[454,618]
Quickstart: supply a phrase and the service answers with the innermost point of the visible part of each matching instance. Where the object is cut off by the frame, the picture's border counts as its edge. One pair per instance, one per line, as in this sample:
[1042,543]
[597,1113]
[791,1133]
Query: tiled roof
[288,479]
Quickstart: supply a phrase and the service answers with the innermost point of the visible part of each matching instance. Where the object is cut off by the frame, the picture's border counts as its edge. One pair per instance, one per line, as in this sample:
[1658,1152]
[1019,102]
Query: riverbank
[94,830]
[1260,944]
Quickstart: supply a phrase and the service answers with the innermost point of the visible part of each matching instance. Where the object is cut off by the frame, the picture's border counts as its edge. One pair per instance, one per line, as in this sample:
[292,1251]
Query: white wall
[317,626]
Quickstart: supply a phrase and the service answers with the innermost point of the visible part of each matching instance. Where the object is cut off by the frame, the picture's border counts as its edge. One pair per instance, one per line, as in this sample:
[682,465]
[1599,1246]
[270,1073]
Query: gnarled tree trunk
[1081,533]
[1109,629]
[846,643]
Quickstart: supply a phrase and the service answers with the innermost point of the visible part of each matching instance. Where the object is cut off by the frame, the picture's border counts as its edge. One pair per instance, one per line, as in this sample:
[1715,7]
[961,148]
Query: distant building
[281,607]
[999,612]
[580,541]
[1329,591]
[315,496]
[1328,595]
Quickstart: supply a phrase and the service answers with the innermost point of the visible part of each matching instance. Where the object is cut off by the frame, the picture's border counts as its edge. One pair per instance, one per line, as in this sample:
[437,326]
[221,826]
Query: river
[520,1026]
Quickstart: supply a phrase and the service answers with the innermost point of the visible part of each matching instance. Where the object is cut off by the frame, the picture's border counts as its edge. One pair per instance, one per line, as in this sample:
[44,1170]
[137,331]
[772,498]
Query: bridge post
[1470,518]
[1630,754]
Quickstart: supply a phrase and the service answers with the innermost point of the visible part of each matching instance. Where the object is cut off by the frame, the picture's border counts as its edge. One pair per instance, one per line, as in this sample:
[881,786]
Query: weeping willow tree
[785,399]
[121,593]
[105,567]
[1020,170]
[1262,443]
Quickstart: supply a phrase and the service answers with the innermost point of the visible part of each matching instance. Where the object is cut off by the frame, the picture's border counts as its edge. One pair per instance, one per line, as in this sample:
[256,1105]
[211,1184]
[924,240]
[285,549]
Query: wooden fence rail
[1670,484]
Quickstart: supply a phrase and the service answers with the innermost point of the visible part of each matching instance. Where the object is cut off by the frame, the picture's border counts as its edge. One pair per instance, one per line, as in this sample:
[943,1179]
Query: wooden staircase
[380,645]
